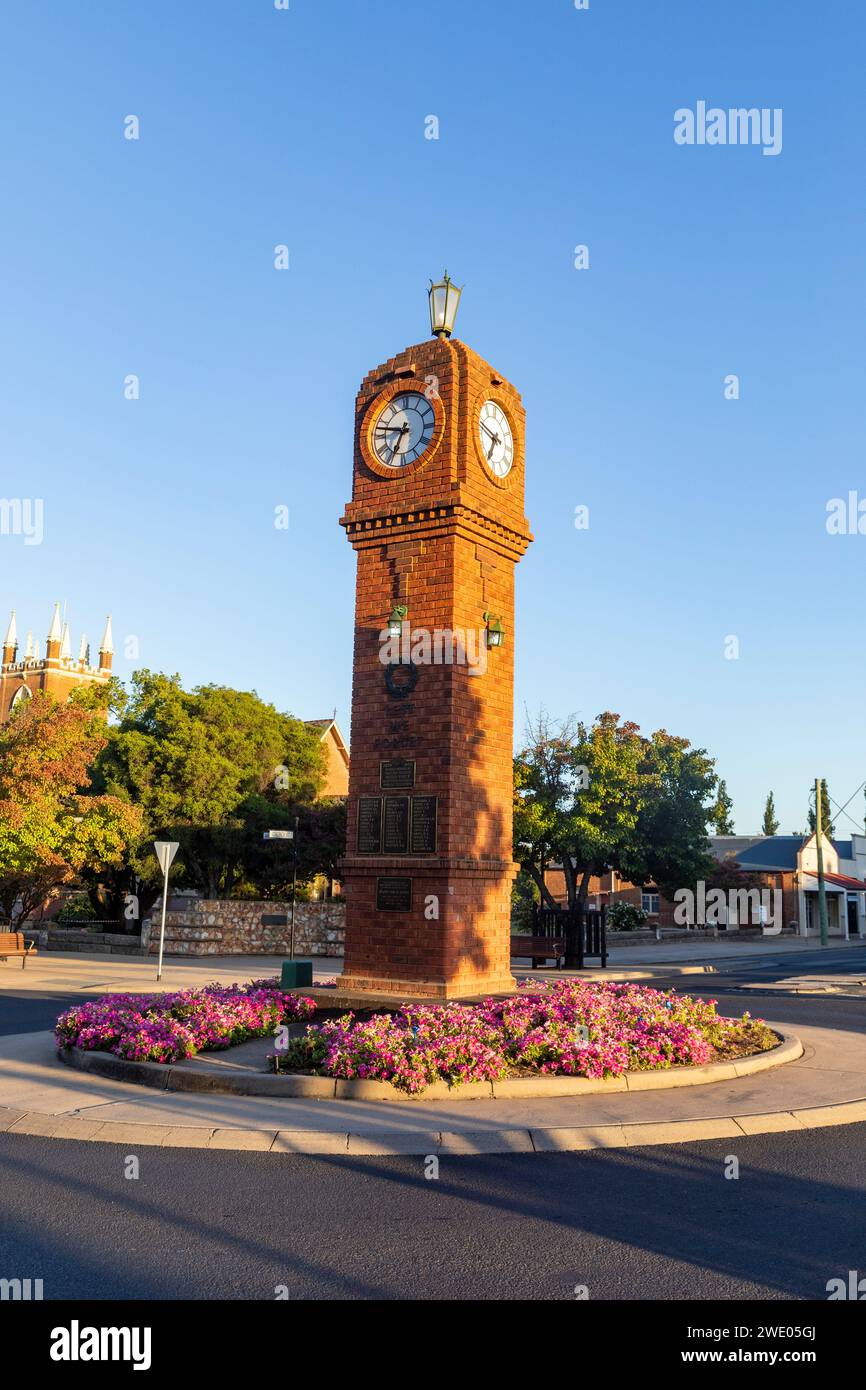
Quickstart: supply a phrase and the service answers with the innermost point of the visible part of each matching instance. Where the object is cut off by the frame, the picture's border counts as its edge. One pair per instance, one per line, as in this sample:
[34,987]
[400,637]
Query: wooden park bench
[12,944]
[537,948]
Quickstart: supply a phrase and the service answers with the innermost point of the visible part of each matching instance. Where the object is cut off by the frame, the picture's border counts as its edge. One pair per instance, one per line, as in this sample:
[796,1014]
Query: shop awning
[853,885]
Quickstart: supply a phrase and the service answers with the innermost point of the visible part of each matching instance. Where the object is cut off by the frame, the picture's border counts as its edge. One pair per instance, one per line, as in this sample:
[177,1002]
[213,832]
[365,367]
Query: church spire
[65,643]
[106,647]
[10,641]
[84,651]
[55,635]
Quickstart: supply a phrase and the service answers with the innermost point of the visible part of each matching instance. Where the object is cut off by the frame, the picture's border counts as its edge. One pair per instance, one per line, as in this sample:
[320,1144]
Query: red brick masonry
[441,536]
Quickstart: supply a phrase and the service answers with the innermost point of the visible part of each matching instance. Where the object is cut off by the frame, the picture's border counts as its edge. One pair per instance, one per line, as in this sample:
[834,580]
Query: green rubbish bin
[296,973]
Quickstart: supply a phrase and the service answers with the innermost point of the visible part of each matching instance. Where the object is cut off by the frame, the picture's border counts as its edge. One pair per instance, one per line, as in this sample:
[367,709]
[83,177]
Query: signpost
[165,851]
[294,972]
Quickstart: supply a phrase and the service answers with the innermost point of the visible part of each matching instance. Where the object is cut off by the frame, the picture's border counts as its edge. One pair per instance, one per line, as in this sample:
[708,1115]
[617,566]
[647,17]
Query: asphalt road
[31,1011]
[659,1223]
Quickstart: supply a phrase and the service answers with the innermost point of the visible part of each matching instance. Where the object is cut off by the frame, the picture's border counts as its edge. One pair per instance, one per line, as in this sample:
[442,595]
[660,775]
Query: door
[853,917]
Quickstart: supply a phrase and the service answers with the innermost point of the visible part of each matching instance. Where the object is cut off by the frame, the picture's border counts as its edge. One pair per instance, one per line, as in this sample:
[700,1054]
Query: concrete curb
[163,1078]
[563,1139]
[378,1130]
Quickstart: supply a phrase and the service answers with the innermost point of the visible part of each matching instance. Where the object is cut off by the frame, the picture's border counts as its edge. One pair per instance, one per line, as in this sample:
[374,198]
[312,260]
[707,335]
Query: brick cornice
[370,526]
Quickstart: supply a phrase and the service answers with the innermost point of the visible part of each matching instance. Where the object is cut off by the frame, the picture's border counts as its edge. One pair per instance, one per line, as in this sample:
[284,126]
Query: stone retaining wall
[79,939]
[229,927]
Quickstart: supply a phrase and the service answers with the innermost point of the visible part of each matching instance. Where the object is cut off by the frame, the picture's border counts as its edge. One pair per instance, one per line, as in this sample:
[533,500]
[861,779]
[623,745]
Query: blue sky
[306,127]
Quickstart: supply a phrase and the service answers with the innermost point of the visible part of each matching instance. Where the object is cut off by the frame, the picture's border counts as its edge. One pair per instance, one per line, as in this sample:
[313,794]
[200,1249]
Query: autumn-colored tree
[52,826]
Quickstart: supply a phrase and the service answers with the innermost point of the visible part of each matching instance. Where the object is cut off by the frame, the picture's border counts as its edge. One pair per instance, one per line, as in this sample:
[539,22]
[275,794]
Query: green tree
[607,797]
[770,825]
[826,818]
[720,816]
[670,846]
[53,828]
[321,845]
[203,765]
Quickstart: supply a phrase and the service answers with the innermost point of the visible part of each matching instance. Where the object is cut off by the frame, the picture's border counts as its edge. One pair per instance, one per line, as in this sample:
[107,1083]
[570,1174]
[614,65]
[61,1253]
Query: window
[21,694]
[649,901]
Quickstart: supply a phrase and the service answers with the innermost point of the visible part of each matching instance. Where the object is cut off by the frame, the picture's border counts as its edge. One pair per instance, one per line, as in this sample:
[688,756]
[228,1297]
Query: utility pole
[819,831]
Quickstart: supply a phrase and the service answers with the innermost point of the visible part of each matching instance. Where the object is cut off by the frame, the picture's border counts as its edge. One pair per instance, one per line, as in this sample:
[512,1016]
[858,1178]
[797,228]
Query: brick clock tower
[437,521]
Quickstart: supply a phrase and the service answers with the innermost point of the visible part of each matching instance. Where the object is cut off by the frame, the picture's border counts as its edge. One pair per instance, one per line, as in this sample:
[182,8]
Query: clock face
[497,441]
[403,430]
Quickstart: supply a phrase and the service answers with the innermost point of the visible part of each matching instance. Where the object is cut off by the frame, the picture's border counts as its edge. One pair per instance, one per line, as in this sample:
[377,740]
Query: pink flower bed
[564,1028]
[168,1027]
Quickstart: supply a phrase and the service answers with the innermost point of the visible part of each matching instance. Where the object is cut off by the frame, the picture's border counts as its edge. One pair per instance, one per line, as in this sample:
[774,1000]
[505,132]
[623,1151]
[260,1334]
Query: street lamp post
[165,851]
[294,972]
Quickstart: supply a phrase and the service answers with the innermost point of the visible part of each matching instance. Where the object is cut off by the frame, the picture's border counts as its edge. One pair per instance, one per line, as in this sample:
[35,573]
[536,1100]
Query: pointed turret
[106,647]
[28,650]
[55,636]
[84,651]
[10,641]
[65,643]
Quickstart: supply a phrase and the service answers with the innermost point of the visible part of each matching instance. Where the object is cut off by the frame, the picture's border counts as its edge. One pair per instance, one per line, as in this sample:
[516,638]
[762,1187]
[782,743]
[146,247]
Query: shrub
[626,917]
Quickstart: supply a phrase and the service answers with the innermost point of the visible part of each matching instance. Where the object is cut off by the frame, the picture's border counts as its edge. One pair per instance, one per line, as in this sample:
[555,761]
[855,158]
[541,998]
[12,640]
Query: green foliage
[77,908]
[720,816]
[770,824]
[605,796]
[826,818]
[524,896]
[211,768]
[626,917]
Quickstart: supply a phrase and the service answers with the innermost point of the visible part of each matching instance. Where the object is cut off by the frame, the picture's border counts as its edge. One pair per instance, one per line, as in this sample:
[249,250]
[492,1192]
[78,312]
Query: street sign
[279,835]
[165,851]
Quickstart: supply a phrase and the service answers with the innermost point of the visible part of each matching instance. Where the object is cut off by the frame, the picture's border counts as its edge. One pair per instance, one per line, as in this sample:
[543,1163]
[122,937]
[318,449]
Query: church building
[56,673]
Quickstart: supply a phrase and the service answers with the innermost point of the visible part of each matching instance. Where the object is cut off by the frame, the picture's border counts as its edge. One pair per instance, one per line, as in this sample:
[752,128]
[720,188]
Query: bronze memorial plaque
[393,894]
[399,772]
[424,810]
[369,824]
[395,825]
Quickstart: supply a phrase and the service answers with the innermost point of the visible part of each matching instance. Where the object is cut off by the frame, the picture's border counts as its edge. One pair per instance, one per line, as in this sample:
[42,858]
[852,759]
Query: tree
[204,766]
[606,797]
[670,845]
[771,824]
[52,826]
[720,813]
[826,818]
[321,845]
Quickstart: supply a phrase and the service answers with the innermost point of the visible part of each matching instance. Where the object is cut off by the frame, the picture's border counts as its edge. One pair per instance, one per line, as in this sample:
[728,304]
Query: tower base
[436,991]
